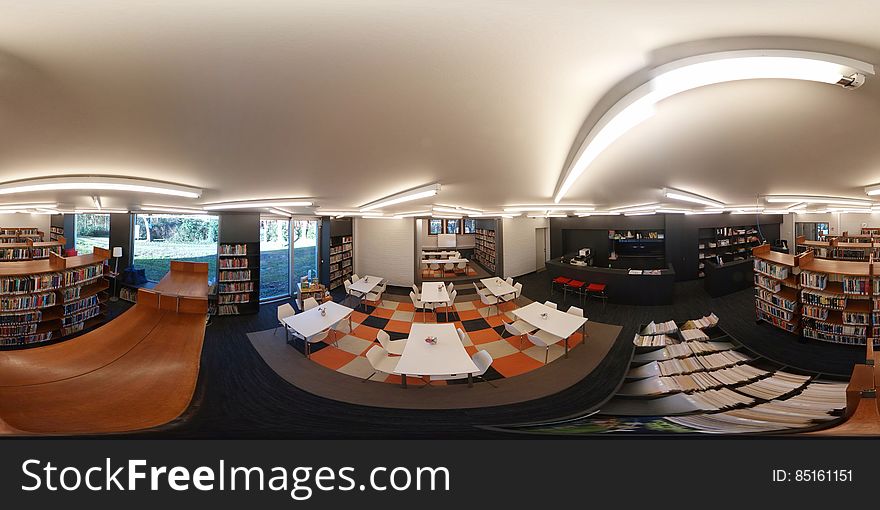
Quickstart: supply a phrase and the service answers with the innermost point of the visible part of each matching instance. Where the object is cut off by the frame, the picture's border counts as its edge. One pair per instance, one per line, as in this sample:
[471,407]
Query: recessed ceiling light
[687,196]
[404,196]
[550,207]
[257,204]
[102,183]
[699,71]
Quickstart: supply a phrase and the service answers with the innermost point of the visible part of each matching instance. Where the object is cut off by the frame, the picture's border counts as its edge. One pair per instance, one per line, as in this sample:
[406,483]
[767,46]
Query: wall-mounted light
[404,196]
[687,196]
[257,204]
[102,183]
[699,71]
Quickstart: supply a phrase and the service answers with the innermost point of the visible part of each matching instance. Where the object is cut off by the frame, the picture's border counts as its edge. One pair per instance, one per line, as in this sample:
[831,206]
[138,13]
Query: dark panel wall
[341,227]
[120,235]
[69,224]
[239,227]
[681,232]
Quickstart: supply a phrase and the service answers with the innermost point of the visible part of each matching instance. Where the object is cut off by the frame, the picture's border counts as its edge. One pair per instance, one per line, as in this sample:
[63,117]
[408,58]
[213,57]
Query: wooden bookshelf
[30,250]
[56,233]
[485,251]
[47,300]
[238,278]
[341,260]
[728,244]
[777,288]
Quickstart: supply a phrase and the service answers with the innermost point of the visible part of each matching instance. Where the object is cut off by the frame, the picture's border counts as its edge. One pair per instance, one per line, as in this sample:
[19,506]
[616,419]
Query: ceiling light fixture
[497,214]
[872,190]
[280,212]
[642,213]
[636,208]
[16,207]
[670,210]
[687,196]
[101,211]
[598,213]
[412,214]
[455,210]
[548,215]
[257,204]
[173,210]
[97,201]
[699,71]
[347,213]
[571,207]
[404,196]
[103,183]
[816,199]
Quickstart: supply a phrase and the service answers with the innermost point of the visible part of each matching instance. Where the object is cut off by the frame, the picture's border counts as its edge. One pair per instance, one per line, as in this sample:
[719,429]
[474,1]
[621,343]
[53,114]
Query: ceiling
[349,101]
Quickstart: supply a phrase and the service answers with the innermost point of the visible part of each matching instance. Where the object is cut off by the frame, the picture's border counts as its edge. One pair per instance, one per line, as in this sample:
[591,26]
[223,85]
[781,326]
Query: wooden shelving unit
[238,278]
[46,300]
[727,243]
[20,235]
[30,250]
[777,287]
[56,233]
[485,248]
[855,247]
[341,260]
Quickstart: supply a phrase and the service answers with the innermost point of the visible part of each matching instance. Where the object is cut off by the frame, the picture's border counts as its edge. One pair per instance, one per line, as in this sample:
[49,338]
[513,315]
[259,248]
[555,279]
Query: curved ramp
[136,372]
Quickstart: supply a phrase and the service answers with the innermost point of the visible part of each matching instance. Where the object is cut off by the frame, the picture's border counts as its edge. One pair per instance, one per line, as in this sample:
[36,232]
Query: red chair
[597,290]
[70,252]
[560,281]
[575,286]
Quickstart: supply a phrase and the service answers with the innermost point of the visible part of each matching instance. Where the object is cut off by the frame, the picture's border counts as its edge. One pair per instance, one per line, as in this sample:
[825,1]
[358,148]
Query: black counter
[729,277]
[621,287]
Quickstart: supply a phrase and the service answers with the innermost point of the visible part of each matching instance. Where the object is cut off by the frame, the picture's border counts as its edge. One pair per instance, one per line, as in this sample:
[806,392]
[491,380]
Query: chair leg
[368,378]
[546,355]
[487,381]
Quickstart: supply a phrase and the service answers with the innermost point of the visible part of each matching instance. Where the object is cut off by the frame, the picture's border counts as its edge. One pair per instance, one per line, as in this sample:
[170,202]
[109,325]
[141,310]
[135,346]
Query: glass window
[435,227]
[470,226]
[305,249]
[92,230]
[161,238]
[274,258]
[453,226]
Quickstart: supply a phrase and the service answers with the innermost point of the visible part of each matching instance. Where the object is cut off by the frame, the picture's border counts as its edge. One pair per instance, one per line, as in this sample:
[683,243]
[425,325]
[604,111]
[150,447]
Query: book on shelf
[233,249]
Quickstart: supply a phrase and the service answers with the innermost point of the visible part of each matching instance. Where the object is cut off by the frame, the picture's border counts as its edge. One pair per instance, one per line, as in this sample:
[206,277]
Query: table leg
[566,347]
[403,381]
[470,380]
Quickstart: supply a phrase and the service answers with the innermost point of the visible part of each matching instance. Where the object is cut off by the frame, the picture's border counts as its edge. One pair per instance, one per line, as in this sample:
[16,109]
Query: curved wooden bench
[138,371]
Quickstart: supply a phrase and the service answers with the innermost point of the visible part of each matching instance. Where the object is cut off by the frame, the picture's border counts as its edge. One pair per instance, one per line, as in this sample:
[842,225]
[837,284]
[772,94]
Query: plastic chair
[381,361]
[393,347]
[482,359]
[490,300]
[545,340]
[417,303]
[309,303]
[284,311]
[519,328]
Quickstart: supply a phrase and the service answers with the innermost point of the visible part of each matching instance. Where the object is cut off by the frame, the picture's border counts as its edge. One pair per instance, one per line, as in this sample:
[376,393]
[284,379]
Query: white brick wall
[385,248]
[519,244]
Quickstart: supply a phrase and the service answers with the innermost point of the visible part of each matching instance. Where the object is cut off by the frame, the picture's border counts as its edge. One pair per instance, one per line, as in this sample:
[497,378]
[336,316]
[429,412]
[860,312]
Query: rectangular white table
[447,357]
[311,322]
[443,253]
[556,322]
[434,292]
[497,286]
[366,285]
[443,261]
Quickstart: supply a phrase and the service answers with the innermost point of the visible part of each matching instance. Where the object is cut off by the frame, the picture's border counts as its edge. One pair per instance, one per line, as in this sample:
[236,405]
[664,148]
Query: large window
[470,226]
[305,249]
[453,226]
[91,230]
[435,227]
[274,258]
[161,238]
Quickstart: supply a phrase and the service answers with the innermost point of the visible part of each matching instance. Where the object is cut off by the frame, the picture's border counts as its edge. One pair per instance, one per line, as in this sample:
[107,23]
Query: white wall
[40,221]
[385,248]
[428,241]
[519,244]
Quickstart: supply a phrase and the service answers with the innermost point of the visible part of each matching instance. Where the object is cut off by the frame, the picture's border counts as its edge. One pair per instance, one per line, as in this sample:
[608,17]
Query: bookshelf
[20,235]
[56,233]
[46,300]
[341,259]
[484,248]
[777,287]
[725,244]
[857,248]
[238,278]
[30,250]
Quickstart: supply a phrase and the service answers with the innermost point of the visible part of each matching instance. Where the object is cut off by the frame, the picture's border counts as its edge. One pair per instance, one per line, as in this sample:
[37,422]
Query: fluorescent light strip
[455,210]
[636,208]
[171,210]
[687,196]
[101,211]
[16,207]
[699,71]
[669,210]
[412,214]
[643,213]
[347,213]
[551,207]
[550,215]
[97,201]
[404,196]
[872,190]
[446,216]
[103,183]
[598,213]
[816,199]
[257,204]
[279,212]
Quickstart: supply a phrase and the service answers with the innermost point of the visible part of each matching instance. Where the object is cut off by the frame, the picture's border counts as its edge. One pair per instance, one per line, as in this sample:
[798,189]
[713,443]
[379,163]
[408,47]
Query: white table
[557,323]
[434,292]
[443,253]
[498,287]
[444,261]
[366,285]
[448,356]
[311,322]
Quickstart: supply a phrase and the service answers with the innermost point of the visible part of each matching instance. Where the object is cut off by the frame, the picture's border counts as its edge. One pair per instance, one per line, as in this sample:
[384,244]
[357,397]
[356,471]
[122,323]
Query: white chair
[374,298]
[284,311]
[545,340]
[309,303]
[482,359]
[509,281]
[519,328]
[580,313]
[417,303]
[465,339]
[512,297]
[490,300]
[434,266]
[448,267]
[317,337]
[449,304]
[351,293]
[393,347]
[450,287]
[551,304]
[354,277]
[482,292]
[381,361]
[415,289]
[461,267]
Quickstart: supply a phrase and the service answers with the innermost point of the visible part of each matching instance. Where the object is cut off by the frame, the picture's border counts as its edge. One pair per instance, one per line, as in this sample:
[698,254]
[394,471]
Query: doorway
[540,248]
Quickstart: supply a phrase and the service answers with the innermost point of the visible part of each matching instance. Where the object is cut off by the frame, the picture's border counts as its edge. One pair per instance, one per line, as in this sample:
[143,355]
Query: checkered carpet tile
[346,349]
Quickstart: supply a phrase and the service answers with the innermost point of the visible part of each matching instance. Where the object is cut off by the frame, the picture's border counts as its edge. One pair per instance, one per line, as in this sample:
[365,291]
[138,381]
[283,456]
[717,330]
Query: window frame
[457,223]
[133,218]
[442,226]
[465,222]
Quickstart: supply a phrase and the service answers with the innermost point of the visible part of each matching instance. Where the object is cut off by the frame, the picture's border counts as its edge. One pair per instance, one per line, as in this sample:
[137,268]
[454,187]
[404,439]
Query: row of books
[832,337]
[128,294]
[233,263]
[233,249]
[856,285]
[767,283]
[83,274]
[856,318]
[18,330]
[8,231]
[777,300]
[21,318]
[791,327]
[50,281]
[815,312]
[775,270]
[82,304]
[662,328]
[814,280]
[234,298]
[704,322]
[81,316]
[73,328]
[835,302]
[236,287]
[653,340]
[342,248]
[29,339]
[233,276]
[774,311]
[28,302]
[227,310]
[837,329]
[71,293]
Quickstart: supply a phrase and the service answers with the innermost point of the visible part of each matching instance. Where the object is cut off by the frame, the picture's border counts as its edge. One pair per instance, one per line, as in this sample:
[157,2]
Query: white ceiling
[349,101]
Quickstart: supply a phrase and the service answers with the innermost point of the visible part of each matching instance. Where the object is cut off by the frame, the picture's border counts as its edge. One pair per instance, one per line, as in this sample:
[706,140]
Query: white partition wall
[40,221]
[519,244]
[385,248]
